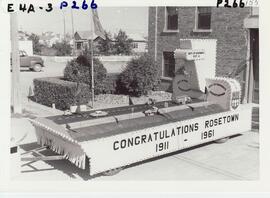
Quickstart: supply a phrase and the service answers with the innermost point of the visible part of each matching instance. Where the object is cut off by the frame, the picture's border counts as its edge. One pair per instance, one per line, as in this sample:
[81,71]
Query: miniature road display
[108,139]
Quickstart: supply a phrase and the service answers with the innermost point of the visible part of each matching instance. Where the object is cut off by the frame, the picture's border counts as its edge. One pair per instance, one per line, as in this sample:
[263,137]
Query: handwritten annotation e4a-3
[24,7]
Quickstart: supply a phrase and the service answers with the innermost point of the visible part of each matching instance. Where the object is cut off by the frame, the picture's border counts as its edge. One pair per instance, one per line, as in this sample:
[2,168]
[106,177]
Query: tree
[122,43]
[104,46]
[62,48]
[37,46]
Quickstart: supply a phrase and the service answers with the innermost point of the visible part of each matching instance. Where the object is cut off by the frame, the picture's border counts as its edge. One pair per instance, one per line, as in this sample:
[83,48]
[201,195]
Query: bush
[79,70]
[110,83]
[140,76]
[60,92]
[62,48]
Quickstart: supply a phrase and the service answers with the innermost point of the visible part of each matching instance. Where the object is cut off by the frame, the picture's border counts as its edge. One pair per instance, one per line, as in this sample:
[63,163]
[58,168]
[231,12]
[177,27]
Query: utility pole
[156,29]
[64,20]
[73,39]
[16,95]
[92,61]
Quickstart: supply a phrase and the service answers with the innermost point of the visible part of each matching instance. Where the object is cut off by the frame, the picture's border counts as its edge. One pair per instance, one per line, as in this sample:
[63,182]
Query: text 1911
[162,146]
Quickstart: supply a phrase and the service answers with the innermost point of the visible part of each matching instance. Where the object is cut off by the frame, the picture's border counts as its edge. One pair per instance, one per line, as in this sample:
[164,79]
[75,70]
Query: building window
[168,64]
[79,45]
[171,20]
[203,18]
[146,47]
[135,45]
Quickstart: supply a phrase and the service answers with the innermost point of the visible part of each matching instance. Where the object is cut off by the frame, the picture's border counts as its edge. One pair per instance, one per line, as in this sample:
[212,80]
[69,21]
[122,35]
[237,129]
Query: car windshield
[22,53]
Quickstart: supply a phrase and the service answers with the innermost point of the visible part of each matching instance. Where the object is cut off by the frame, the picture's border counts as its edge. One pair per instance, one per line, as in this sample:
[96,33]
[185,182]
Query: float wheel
[222,140]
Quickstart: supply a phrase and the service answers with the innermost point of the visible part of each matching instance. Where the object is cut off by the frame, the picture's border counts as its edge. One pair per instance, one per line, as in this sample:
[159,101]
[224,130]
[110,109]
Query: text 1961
[207,134]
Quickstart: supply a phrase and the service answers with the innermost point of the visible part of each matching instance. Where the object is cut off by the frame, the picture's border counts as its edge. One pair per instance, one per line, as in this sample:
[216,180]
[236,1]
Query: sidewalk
[20,125]
[40,110]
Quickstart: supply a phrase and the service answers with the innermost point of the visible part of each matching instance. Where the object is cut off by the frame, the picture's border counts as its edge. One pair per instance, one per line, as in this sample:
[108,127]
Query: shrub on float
[79,70]
[140,76]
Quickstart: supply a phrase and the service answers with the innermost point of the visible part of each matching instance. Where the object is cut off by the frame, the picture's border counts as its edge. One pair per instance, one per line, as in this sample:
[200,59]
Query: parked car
[34,63]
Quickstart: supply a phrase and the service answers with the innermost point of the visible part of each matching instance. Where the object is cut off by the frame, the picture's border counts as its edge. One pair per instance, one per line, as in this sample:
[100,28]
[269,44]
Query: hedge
[60,92]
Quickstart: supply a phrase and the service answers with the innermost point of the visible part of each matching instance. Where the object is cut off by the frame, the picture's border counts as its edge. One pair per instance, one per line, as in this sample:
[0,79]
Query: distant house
[139,43]
[82,40]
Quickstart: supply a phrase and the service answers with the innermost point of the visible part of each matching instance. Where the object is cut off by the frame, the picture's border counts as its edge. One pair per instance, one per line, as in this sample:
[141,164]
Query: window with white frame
[79,45]
[171,18]
[203,18]
[168,64]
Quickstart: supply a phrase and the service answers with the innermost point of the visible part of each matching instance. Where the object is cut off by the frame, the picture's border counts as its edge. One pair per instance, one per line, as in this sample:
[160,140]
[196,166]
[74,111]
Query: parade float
[203,108]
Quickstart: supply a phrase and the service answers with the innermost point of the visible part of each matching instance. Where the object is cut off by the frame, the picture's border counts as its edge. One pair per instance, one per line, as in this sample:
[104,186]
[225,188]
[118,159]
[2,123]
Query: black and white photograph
[133,93]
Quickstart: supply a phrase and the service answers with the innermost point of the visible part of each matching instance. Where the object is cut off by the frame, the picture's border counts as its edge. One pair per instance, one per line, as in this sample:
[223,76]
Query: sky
[129,19]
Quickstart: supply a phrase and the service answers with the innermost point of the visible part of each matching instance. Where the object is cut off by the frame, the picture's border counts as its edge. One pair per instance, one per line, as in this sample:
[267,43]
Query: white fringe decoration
[60,144]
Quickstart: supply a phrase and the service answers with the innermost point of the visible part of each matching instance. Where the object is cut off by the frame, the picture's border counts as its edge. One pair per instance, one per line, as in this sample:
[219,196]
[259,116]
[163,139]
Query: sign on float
[191,54]
[135,146]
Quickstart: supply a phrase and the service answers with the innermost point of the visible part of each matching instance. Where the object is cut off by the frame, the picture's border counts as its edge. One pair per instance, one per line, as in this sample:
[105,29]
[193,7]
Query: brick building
[236,32]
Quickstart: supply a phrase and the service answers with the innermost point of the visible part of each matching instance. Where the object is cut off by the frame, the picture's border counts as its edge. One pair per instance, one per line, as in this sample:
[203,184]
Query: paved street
[51,68]
[237,159]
